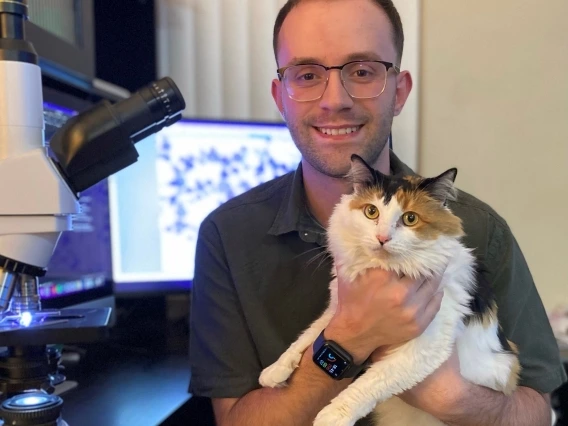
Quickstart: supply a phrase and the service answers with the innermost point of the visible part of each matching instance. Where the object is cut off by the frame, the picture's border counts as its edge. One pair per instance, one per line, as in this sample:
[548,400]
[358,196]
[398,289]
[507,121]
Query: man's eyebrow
[298,60]
[363,56]
[356,56]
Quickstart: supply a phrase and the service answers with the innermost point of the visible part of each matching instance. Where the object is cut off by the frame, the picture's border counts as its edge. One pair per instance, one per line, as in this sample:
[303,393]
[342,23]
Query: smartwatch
[335,361]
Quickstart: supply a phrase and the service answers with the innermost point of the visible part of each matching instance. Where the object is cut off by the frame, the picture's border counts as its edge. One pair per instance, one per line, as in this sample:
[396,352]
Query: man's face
[332,33]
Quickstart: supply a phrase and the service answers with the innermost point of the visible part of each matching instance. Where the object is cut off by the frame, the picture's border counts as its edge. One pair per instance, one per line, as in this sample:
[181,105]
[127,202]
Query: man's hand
[439,391]
[380,309]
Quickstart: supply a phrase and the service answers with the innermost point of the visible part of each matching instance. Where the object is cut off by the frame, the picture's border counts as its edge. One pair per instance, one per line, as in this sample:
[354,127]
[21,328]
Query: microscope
[42,185]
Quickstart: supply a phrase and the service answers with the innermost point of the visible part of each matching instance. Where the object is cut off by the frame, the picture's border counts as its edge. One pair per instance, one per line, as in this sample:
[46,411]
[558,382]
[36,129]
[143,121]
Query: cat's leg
[399,371]
[487,358]
[276,374]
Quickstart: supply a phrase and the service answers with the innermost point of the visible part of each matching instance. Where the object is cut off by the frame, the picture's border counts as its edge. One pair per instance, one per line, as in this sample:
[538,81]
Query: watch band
[351,370]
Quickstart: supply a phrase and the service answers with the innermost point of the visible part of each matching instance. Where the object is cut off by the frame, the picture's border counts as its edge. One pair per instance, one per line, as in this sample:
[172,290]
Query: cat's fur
[467,316]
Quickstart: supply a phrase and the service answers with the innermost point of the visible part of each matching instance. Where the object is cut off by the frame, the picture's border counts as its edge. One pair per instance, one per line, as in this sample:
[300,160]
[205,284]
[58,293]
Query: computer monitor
[79,274]
[183,173]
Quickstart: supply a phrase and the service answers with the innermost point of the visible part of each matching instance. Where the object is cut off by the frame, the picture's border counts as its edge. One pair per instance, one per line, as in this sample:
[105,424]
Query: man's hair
[387,6]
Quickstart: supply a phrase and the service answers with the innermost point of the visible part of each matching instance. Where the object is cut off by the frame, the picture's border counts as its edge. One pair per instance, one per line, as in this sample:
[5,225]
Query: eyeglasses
[361,79]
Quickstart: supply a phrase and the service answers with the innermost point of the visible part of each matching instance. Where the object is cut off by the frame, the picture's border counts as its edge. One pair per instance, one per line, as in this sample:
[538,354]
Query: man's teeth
[342,131]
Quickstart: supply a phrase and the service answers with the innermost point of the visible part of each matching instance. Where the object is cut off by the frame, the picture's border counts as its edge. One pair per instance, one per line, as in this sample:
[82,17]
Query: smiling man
[257,287]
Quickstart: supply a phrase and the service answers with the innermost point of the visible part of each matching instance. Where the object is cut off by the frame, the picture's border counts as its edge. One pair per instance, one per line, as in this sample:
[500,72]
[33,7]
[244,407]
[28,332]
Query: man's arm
[525,407]
[359,327]
[297,404]
[457,402]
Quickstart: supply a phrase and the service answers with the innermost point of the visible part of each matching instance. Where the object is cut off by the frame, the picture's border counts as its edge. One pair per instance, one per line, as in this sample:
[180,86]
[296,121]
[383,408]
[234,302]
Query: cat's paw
[332,416]
[276,375]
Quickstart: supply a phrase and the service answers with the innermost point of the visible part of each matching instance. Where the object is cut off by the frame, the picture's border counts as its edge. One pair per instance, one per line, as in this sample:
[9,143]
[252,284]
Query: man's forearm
[481,406]
[309,390]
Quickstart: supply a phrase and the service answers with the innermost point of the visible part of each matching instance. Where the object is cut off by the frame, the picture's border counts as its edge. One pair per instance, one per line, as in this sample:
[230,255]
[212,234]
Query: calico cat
[424,239]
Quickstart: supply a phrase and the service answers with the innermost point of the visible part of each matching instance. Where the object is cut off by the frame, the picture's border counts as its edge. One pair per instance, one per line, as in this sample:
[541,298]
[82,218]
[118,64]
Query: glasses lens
[364,79]
[305,82]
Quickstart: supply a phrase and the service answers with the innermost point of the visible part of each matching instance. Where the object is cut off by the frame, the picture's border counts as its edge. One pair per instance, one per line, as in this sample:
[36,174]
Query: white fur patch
[482,360]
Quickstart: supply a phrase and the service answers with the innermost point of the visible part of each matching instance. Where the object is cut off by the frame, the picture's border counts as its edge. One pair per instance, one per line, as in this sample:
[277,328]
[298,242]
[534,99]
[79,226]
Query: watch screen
[331,362]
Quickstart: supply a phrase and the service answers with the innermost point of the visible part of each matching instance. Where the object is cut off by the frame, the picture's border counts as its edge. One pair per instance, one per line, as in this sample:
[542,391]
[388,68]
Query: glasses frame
[388,66]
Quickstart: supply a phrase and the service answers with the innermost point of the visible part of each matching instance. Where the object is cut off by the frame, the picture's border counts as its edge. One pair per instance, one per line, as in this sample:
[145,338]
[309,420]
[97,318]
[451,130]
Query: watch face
[330,361]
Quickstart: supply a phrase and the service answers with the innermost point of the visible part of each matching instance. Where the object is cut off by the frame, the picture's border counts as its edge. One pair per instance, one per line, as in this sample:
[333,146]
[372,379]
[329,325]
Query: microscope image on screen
[185,172]
[198,174]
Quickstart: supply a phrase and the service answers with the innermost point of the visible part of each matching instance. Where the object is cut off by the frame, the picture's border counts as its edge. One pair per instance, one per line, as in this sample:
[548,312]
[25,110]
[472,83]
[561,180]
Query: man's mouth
[335,131]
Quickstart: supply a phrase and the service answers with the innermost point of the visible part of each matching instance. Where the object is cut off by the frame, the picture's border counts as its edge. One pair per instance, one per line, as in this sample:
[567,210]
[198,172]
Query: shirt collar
[293,214]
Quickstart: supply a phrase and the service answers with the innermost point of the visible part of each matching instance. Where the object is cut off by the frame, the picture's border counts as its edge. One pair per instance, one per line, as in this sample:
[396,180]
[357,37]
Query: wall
[220,54]
[494,103]
[405,126]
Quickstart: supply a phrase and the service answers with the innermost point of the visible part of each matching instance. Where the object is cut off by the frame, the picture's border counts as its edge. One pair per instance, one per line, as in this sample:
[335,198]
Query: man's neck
[324,192]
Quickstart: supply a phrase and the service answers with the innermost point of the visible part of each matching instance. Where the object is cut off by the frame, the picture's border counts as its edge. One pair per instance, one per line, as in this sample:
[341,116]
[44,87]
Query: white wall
[219,52]
[405,126]
[494,103]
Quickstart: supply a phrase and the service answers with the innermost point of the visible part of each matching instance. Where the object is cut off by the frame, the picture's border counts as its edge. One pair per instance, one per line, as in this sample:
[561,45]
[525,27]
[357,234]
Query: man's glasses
[361,79]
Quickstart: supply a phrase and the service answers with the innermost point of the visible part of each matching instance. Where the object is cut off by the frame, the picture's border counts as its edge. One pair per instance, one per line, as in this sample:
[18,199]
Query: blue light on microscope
[25,319]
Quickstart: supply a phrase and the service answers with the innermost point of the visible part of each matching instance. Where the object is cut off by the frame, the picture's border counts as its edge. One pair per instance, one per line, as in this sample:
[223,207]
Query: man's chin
[335,172]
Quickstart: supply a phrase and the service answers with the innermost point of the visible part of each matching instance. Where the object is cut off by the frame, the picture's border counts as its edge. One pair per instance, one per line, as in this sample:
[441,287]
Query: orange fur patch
[434,220]
[365,197]
[490,316]
[415,180]
[514,375]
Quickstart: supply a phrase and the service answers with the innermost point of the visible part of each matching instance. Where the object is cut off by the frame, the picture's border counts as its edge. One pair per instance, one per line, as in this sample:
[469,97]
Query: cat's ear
[361,174]
[441,187]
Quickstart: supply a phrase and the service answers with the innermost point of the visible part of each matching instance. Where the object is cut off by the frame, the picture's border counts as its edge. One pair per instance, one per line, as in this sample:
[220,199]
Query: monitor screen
[79,272]
[183,173]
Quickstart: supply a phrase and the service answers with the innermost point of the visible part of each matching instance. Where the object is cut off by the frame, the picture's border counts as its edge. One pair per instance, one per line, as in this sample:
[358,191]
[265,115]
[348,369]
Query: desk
[124,387]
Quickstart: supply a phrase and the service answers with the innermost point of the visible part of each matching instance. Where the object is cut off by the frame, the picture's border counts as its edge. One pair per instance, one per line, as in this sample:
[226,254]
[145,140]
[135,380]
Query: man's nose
[335,97]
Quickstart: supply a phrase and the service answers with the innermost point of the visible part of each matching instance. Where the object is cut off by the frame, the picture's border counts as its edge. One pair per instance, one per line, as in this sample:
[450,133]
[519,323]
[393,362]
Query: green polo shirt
[261,279]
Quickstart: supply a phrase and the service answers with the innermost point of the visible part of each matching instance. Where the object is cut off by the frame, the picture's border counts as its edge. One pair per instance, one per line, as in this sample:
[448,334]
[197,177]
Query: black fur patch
[503,340]
[483,302]
[390,185]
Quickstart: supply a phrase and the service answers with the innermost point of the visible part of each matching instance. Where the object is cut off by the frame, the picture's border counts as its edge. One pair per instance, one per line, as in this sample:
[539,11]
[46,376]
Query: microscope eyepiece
[100,141]
[13,46]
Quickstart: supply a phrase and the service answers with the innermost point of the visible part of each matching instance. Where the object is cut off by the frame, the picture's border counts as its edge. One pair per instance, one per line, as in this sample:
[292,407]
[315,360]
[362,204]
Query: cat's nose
[383,239]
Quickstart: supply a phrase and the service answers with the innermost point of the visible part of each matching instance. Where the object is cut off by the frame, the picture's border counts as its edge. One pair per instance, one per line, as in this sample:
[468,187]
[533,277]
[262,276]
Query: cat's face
[398,220]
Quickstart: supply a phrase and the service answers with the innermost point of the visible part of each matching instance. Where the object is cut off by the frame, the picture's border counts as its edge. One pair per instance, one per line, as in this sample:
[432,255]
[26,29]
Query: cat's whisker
[322,249]
[310,250]
[323,256]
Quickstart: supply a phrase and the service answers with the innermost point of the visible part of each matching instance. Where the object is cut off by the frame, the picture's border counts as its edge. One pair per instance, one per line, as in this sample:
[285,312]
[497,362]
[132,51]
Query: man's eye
[307,76]
[363,74]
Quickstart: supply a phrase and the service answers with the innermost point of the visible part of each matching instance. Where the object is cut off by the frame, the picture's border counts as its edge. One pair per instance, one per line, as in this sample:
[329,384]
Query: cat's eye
[371,212]
[410,218]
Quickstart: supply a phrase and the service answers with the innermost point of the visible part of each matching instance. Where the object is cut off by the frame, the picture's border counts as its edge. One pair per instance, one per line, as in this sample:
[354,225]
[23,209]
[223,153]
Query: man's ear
[403,88]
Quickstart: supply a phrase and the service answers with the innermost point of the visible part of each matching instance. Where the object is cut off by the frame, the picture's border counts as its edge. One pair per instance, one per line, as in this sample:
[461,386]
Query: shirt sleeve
[521,312]
[223,358]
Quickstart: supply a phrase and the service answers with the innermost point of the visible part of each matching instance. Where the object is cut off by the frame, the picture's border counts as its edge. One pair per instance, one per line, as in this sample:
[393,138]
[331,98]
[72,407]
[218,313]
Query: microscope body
[41,187]
[37,203]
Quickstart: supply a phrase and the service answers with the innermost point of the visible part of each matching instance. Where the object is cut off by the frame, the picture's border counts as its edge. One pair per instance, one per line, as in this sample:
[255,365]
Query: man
[257,285]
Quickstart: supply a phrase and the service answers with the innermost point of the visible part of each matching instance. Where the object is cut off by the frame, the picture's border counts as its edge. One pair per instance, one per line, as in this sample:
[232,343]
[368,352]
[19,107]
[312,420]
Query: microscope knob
[32,408]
